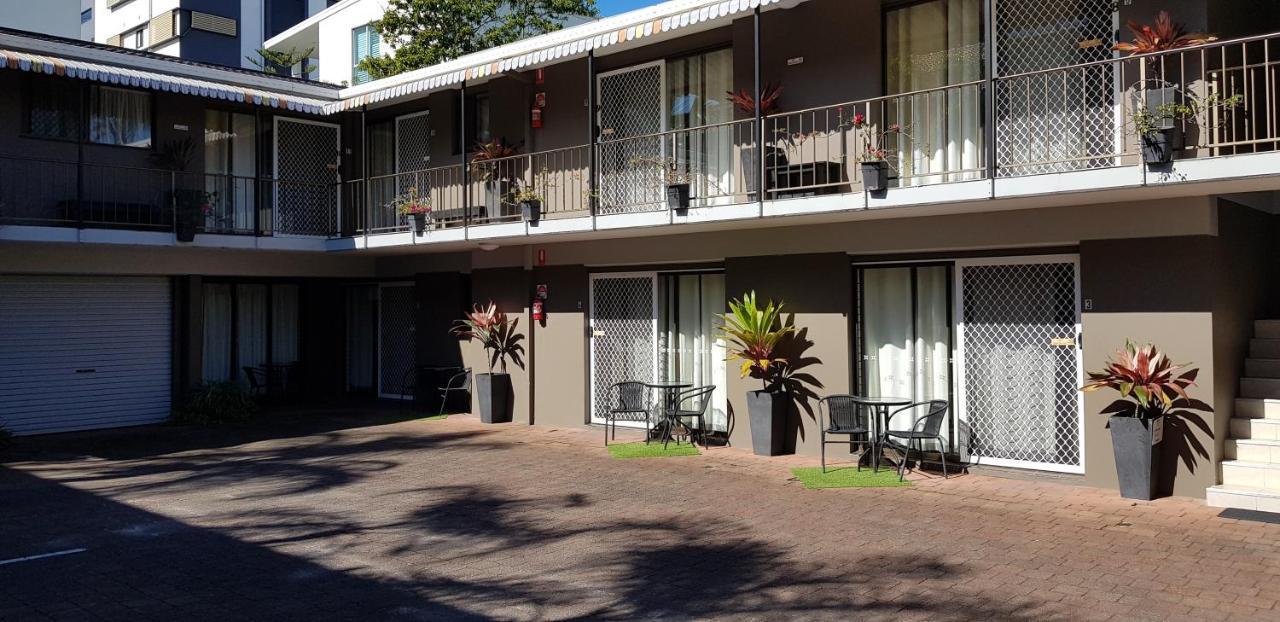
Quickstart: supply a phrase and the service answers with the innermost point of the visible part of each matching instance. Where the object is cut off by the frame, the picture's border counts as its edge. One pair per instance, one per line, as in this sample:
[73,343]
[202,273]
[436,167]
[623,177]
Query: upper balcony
[908,119]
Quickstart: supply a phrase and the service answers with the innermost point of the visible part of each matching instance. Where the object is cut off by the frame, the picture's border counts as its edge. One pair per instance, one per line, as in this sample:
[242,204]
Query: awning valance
[107,74]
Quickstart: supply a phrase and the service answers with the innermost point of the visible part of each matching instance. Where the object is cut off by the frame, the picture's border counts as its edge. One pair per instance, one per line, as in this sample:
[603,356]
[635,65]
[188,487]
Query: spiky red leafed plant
[745,101]
[495,332]
[1149,383]
[1165,35]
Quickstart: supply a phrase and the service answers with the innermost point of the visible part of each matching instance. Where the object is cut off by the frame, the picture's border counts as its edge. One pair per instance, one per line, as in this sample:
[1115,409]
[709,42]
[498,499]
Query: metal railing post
[989,132]
[760,159]
[593,131]
[466,170]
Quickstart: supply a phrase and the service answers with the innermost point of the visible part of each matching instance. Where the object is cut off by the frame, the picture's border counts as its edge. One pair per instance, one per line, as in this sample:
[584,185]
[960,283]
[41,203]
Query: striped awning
[107,74]
[556,47]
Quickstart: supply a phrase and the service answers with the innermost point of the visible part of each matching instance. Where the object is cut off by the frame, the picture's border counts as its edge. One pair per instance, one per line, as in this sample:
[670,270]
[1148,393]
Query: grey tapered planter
[1136,443]
[768,414]
[493,393]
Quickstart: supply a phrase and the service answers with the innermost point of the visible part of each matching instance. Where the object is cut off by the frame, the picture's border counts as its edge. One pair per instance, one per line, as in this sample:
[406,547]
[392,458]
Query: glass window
[690,349]
[364,43]
[53,109]
[696,87]
[119,117]
[933,44]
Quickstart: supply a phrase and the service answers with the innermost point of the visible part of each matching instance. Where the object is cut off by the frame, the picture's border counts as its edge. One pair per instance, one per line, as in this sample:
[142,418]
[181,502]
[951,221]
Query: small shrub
[217,403]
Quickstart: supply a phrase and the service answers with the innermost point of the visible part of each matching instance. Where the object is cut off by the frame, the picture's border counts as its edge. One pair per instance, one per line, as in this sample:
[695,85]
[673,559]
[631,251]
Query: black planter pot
[184,226]
[1159,146]
[768,414]
[493,392]
[678,196]
[1136,443]
[531,211]
[419,223]
[875,176]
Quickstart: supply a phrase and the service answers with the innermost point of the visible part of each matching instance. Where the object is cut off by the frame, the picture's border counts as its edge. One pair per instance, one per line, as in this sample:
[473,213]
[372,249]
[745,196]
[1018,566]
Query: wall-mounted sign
[541,291]
[798,60]
[181,127]
[540,99]
[542,257]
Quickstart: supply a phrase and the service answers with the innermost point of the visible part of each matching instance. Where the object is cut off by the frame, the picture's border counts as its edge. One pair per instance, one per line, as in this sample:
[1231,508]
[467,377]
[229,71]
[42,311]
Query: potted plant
[753,333]
[1159,128]
[874,159]
[745,103]
[486,167]
[530,197]
[1156,92]
[1151,387]
[188,204]
[415,206]
[498,335]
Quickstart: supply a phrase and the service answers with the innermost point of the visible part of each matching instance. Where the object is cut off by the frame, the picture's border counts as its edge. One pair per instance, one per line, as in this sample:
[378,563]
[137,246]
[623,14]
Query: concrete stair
[1251,466]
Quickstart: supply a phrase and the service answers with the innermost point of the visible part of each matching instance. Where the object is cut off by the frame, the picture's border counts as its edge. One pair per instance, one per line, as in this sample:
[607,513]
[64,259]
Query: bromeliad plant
[496,332]
[745,101]
[753,333]
[1149,384]
[1165,35]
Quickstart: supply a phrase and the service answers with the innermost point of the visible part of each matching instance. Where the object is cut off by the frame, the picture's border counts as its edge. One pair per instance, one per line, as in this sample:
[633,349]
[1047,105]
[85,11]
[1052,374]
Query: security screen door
[632,114]
[396,338]
[1075,109]
[1019,378]
[306,173]
[624,334]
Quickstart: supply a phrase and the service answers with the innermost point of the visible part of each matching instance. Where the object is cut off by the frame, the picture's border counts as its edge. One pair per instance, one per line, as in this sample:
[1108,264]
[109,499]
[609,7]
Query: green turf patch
[848,477]
[433,418]
[651,450]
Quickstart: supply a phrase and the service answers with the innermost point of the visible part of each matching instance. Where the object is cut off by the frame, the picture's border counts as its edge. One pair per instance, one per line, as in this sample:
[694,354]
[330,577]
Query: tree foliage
[427,32]
[272,61]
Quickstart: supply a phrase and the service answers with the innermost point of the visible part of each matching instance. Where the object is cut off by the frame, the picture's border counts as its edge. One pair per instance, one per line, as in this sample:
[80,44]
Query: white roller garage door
[79,353]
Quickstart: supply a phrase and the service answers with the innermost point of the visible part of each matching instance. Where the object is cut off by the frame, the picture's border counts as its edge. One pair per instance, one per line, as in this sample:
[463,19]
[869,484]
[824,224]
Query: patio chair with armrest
[926,428]
[257,378]
[630,403]
[458,382]
[846,416]
[691,404]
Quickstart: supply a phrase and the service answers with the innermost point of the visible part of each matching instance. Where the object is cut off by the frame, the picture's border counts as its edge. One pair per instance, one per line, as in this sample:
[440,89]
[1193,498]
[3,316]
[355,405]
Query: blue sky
[613,7]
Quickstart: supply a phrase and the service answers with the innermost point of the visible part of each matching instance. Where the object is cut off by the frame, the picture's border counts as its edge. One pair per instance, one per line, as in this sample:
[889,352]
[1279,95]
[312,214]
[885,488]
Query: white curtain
[696,88]
[284,324]
[361,332]
[251,327]
[119,117]
[906,335]
[932,45]
[217,333]
[692,351]
[229,166]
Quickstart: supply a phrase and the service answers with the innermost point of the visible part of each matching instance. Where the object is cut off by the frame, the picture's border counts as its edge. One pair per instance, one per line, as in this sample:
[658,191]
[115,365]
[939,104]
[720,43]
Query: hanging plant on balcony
[1152,389]
[875,155]
[1159,128]
[415,206]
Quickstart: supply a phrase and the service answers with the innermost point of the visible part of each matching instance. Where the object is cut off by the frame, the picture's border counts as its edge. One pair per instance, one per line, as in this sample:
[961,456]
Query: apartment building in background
[949,196]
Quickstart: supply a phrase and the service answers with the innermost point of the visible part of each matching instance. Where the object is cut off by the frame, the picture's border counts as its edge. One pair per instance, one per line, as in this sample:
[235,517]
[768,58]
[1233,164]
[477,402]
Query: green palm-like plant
[495,332]
[1149,383]
[753,333]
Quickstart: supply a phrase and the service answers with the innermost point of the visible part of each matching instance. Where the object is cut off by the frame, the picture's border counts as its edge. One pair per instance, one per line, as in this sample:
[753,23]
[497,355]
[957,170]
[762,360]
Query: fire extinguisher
[537,313]
[537,118]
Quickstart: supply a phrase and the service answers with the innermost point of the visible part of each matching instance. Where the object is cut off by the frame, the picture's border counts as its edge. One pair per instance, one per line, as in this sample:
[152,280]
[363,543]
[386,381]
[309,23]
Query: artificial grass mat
[651,450]
[848,477]
[433,418]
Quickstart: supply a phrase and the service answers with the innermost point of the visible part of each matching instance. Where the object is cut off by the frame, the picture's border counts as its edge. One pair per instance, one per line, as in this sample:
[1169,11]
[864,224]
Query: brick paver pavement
[334,518]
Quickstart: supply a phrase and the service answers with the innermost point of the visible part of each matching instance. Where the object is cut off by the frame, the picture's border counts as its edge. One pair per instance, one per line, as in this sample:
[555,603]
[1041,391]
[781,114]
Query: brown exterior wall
[508,288]
[559,348]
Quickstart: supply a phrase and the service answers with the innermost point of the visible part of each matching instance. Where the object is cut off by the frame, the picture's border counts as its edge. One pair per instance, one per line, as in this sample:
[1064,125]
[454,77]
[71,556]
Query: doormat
[651,450]
[848,477]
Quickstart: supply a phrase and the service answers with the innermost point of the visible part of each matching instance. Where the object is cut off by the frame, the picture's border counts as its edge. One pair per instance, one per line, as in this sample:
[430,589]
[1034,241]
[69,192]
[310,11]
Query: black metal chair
[458,382]
[257,378]
[699,400]
[420,377]
[926,428]
[845,415]
[631,403]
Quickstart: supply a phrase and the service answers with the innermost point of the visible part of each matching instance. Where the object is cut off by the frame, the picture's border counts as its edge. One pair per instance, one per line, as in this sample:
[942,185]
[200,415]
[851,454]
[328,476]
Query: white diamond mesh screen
[396,323]
[630,157]
[623,343]
[306,178]
[413,143]
[1021,401]
[1061,120]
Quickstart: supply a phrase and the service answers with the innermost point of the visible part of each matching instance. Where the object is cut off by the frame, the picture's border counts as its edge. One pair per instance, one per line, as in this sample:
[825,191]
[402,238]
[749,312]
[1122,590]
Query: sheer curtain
[217,333]
[284,324]
[119,117]
[696,88]
[251,326]
[931,45]
[691,349]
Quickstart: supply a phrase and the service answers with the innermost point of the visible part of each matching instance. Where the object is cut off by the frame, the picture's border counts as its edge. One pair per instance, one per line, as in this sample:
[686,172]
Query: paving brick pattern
[337,518]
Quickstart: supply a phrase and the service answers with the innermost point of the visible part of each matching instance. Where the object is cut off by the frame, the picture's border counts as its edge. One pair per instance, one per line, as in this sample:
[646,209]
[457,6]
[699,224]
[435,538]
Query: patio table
[670,397]
[879,423]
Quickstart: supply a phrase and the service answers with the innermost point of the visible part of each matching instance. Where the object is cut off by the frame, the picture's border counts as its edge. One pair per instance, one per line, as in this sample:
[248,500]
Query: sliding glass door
[696,87]
[248,325]
[690,348]
[231,168]
[904,335]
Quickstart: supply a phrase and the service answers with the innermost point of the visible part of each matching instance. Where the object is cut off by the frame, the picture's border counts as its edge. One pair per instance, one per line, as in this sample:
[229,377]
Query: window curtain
[696,88]
[906,335]
[119,117]
[929,46]
[284,324]
[691,349]
[229,165]
[251,327]
[362,324]
[217,333]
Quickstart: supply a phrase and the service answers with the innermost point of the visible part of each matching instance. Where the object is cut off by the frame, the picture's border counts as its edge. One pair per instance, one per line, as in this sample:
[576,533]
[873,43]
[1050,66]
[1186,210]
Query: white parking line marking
[41,556]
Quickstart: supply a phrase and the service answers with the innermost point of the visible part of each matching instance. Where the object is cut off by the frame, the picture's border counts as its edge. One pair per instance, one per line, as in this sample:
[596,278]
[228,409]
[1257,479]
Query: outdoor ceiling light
[488,246]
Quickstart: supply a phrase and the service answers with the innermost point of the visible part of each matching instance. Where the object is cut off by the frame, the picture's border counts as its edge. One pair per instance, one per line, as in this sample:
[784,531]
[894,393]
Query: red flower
[859,119]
